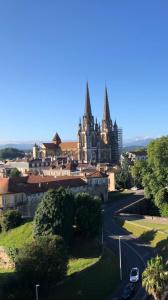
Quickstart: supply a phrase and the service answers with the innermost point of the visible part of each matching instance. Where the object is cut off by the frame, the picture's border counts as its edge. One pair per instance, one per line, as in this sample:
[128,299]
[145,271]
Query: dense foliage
[55,214]
[11,153]
[44,261]
[15,173]
[123,177]
[137,172]
[88,215]
[155,277]
[155,177]
[10,219]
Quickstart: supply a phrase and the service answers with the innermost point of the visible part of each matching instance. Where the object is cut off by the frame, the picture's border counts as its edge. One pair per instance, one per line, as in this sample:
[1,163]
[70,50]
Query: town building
[137,155]
[25,193]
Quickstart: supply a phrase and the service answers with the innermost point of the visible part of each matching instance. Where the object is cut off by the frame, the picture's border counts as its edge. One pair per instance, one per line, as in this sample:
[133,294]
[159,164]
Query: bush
[55,214]
[44,261]
[88,215]
[11,219]
[164,210]
[161,197]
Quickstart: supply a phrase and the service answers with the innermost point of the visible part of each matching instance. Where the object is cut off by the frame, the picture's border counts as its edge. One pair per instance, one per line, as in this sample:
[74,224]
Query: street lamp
[102,235]
[37,286]
[120,256]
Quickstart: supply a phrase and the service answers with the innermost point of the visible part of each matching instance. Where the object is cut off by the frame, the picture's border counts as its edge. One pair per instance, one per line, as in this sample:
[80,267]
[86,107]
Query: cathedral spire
[88,111]
[106,114]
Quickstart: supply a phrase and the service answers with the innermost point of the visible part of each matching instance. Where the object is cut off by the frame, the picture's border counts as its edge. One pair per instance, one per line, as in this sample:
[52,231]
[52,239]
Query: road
[134,253]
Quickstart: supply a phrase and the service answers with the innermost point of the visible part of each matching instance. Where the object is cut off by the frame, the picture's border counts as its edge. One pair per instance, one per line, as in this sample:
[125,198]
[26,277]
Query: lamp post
[102,235]
[120,256]
[37,286]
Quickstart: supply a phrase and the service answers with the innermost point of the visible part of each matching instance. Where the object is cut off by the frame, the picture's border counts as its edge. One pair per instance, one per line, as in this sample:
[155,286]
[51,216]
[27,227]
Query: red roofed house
[24,193]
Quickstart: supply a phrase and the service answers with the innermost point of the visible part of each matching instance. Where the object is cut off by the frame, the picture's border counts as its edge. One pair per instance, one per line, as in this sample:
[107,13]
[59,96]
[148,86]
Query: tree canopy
[155,177]
[88,215]
[55,214]
[155,277]
[44,261]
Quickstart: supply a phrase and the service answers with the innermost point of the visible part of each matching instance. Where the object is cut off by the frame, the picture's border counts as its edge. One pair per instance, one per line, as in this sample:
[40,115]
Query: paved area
[133,252]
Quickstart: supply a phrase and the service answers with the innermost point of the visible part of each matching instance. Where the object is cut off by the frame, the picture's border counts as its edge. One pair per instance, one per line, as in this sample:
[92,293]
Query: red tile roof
[38,184]
[96,174]
[68,146]
[50,146]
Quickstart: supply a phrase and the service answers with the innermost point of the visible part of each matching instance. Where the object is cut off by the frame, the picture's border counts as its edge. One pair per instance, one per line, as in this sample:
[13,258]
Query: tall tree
[55,214]
[155,277]
[155,177]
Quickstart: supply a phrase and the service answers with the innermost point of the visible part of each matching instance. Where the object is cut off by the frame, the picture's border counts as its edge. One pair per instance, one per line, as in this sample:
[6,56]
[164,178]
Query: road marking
[136,252]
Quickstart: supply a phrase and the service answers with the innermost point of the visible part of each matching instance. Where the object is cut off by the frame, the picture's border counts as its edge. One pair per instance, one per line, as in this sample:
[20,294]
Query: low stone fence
[152,219]
[5,260]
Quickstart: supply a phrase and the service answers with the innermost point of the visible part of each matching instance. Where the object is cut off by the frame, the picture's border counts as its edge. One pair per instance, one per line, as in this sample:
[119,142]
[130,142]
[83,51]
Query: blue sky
[48,49]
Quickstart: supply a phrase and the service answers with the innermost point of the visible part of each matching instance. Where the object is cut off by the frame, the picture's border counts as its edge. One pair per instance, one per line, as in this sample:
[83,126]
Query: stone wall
[151,219]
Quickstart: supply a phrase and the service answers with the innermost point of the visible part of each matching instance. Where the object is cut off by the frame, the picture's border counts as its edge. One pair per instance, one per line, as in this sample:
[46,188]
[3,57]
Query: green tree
[44,261]
[55,214]
[155,277]
[155,177]
[10,219]
[11,153]
[15,173]
[88,215]
[123,177]
[161,197]
[137,171]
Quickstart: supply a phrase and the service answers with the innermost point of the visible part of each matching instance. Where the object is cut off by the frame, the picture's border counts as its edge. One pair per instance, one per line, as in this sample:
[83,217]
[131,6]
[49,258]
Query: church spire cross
[106,114]
[88,111]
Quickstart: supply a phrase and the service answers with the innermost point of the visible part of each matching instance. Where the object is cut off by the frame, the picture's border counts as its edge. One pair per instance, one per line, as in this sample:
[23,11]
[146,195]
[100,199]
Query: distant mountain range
[127,145]
[24,147]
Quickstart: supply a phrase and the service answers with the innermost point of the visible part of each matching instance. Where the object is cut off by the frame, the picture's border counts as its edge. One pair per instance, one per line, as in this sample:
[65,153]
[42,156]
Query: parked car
[128,291]
[134,275]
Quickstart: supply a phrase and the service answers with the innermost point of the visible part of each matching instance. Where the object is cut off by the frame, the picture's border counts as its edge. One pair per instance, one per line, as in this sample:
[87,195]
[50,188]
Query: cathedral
[97,143]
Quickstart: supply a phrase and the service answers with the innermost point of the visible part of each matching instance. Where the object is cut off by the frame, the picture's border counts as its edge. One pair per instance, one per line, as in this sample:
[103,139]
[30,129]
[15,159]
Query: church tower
[106,132]
[88,134]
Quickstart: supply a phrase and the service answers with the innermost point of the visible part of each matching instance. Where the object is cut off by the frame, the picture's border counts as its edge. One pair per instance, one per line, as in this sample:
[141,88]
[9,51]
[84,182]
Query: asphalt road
[133,253]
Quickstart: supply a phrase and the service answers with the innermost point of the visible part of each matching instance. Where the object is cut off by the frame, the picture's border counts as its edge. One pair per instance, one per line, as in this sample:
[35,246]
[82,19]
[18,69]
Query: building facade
[98,143]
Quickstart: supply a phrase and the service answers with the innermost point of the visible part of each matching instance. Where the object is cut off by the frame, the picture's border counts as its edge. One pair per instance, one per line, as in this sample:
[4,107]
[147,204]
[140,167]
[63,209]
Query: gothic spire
[56,139]
[88,111]
[106,114]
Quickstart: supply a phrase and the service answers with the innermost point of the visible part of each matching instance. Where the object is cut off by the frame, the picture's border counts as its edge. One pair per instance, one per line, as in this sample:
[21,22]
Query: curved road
[134,253]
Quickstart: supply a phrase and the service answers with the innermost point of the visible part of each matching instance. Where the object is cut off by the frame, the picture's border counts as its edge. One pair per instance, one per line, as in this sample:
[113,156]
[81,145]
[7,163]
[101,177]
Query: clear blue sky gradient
[48,49]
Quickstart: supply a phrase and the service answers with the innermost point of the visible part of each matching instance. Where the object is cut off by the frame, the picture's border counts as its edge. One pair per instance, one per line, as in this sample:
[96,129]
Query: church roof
[68,146]
[50,146]
[106,113]
[56,139]
[88,111]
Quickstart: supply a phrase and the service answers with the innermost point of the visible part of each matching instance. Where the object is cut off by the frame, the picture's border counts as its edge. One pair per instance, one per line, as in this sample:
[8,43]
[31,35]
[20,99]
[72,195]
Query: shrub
[11,219]
[88,215]
[164,210]
[44,261]
[161,197]
[55,214]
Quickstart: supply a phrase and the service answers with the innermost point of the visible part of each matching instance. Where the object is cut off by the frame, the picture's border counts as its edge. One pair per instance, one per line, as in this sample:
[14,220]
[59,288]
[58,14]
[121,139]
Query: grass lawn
[150,235]
[17,237]
[96,282]
[152,225]
[89,275]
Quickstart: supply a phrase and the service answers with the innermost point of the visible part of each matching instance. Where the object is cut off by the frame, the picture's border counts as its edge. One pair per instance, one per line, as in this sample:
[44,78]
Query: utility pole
[120,256]
[102,235]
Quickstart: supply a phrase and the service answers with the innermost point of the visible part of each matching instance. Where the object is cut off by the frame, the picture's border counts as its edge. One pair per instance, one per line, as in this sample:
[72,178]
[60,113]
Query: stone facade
[97,143]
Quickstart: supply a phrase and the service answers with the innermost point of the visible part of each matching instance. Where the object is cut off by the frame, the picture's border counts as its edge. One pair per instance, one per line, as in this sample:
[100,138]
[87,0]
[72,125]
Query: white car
[134,275]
